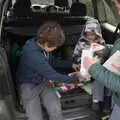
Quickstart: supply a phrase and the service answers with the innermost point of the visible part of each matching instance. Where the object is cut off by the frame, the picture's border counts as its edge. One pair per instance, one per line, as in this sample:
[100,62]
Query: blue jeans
[33,96]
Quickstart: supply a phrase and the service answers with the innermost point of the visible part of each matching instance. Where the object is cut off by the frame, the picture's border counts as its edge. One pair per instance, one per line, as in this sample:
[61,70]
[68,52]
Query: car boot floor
[81,113]
[74,110]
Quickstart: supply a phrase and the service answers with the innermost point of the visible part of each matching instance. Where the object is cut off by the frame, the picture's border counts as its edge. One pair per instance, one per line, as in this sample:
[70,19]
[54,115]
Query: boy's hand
[76,67]
[77,75]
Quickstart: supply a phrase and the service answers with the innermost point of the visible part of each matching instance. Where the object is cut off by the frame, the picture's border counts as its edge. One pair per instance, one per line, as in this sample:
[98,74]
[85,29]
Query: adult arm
[109,79]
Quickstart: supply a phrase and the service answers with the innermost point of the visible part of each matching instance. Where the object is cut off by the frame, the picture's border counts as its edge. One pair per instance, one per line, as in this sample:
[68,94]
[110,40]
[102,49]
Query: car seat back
[78,9]
[20,6]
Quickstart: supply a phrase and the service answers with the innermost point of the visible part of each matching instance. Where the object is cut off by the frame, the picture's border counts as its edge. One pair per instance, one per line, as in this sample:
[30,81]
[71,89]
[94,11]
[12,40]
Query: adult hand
[116,67]
[88,62]
[76,67]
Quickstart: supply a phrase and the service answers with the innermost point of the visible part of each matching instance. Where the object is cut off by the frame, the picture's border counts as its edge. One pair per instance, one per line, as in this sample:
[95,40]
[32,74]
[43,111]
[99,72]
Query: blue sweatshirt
[34,67]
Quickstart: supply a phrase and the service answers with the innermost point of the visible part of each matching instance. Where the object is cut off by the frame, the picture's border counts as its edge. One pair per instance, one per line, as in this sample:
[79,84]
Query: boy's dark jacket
[109,79]
[34,67]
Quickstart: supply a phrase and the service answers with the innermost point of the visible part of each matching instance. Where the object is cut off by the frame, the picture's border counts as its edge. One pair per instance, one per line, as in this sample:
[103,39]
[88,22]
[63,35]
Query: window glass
[13,2]
[106,13]
[43,2]
[60,3]
[88,4]
[101,11]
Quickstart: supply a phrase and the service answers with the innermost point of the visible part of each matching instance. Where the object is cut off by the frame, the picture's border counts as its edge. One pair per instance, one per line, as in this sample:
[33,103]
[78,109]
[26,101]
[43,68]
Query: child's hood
[90,25]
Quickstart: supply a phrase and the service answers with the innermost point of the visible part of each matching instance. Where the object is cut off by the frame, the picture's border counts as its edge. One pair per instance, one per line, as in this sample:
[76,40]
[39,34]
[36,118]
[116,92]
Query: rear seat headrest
[78,9]
[20,6]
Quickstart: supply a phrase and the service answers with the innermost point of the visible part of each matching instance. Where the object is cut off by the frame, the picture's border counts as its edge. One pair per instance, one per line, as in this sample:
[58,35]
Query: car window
[13,2]
[106,12]
[61,3]
[43,2]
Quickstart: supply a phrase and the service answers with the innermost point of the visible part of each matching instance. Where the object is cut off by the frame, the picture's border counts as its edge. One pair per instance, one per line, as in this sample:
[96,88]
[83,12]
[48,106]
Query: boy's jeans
[32,97]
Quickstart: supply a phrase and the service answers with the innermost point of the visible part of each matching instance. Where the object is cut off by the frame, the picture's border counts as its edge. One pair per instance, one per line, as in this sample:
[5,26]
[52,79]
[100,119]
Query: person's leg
[31,102]
[116,113]
[98,95]
[98,91]
[51,103]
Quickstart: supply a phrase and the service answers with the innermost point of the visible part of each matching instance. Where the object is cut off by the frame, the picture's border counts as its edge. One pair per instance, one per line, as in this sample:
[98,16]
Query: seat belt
[115,32]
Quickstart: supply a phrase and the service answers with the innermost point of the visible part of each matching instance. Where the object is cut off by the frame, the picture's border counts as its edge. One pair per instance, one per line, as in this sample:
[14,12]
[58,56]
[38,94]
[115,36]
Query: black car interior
[19,26]
[78,9]
[26,25]
[22,23]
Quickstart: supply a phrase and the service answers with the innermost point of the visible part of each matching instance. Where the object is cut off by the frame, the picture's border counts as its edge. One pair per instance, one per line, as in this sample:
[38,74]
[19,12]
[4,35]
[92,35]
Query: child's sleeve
[77,52]
[42,68]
